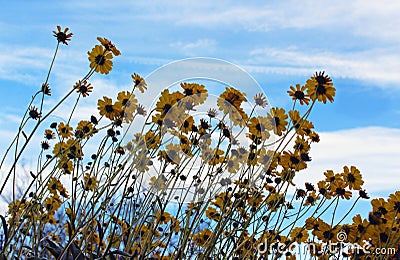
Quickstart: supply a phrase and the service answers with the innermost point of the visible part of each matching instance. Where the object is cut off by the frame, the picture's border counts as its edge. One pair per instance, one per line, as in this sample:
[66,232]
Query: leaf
[54,249]
[5,228]
[101,234]
[23,133]
[69,229]
[76,252]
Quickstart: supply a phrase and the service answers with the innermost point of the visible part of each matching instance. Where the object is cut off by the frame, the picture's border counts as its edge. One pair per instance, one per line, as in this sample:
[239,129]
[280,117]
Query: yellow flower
[230,97]
[194,93]
[202,237]
[166,102]
[187,124]
[360,225]
[298,94]
[114,240]
[299,234]
[331,177]
[324,189]
[127,99]
[128,103]
[60,149]
[293,161]
[139,82]
[109,46]
[84,129]
[54,185]
[152,140]
[380,205]
[217,157]
[212,214]
[232,165]
[222,200]
[352,177]
[171,154]
[320,87]
[325,233]
[158,183]
[278,120]
[16,208]
[264,156]
[258,126]
[297,121]
[311,199]
[301,145]
[74,149]
[52,204]
[66,166]
[90,182]
[175,225]
[100,59]
[64,130]
[163,218]
[394,202]
[339,189]
[48,134]
[49,219]
[107,109]
[230,102]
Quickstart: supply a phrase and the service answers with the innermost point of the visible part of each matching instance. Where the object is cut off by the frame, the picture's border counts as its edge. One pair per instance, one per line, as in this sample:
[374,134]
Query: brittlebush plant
[240,203]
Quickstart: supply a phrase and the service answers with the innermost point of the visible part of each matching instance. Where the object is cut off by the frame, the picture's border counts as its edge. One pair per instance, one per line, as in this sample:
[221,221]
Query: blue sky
[280,43]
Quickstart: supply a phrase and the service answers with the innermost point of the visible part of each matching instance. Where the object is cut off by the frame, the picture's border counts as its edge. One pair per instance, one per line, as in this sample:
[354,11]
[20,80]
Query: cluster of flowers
[183,188]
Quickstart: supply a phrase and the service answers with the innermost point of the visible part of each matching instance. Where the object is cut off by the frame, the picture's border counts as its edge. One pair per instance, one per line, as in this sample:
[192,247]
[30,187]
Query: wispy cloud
[378,66]
[198,47]
[373,150]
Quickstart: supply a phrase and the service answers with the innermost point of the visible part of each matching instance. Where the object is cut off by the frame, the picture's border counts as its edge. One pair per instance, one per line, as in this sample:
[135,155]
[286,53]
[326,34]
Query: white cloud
[199,47]
[373,150]
[374,66]
[376,19]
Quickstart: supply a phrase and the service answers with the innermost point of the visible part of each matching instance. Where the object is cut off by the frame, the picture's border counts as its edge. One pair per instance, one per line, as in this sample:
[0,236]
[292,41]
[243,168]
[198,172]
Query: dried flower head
[62,36]
[141,110]
[260,100]
[34,113]
[46,89]
[84,88]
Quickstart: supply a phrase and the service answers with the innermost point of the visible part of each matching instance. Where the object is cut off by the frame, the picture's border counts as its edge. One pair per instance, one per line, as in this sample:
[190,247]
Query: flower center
[277,121]
[299,94]
[100,60]
[351,178]
[61,37]
[109,108]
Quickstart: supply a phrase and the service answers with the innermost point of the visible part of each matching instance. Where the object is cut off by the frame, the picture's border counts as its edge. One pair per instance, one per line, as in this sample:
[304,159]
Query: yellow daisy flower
[298,93]
[90,182]
[277,120]
[139,82]
[320,87]
[100,59]
[109,46]
[64,131]
[107,109]
[352,177]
